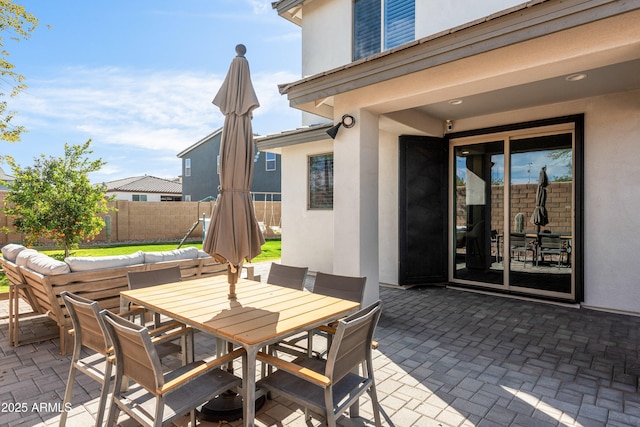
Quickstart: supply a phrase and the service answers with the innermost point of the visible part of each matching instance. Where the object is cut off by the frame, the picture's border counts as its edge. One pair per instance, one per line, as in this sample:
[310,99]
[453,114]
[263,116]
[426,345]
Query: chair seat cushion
[180,401]
[307,394]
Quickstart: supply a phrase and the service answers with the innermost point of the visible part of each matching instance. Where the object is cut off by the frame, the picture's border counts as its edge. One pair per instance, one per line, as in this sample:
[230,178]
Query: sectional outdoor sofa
[39,280]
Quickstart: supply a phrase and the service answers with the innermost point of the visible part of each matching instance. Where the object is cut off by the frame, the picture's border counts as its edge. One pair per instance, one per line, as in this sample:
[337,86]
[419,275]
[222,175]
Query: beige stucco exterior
[502,83]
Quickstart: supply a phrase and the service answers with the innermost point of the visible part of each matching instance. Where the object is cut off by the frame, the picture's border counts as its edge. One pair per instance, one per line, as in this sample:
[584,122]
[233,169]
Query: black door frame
[577,255]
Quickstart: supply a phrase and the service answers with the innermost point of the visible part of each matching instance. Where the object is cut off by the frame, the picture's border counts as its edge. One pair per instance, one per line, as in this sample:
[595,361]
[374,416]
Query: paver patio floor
[446,358]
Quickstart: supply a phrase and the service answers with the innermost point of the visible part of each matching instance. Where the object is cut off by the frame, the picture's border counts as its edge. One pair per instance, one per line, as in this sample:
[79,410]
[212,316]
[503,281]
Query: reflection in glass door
[541,209]
[478,208]
[513,211]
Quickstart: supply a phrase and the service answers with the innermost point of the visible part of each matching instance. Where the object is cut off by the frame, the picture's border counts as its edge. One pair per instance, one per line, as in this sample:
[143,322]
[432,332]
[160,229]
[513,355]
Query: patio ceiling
[596,81]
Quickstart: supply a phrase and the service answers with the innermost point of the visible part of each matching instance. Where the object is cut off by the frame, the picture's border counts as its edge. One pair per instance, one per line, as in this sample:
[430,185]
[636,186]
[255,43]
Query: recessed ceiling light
[576,77]
[455,101]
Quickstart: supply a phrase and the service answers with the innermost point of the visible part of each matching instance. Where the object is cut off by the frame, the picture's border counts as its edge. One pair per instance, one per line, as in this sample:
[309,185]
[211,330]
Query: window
[218,164]
[270,161]
[321,181]
[139,197]
[187,167]
[187,197]
[381,25]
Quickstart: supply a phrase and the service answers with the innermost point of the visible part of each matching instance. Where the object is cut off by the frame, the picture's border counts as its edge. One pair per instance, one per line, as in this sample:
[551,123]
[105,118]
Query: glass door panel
[541,213]
[479,209]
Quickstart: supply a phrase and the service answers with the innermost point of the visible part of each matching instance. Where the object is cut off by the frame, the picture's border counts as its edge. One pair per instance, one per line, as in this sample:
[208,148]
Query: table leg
[249,385]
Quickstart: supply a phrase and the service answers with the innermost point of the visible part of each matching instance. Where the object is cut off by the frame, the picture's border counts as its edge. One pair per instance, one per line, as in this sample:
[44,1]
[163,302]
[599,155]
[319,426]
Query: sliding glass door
[512,210]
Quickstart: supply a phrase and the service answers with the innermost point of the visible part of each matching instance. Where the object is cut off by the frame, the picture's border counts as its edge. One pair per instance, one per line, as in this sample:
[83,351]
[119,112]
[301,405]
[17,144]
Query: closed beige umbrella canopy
[539,216]
[234,234]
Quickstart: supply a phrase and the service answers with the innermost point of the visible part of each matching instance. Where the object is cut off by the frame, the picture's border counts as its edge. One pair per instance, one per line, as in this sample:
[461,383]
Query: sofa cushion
[44,264]
[11,251]
[174,255]
[203,254]
[23,256]
[89,263]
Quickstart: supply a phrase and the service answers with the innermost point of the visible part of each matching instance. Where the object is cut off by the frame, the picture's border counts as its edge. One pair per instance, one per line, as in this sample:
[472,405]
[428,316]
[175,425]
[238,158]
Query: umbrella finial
[241,50]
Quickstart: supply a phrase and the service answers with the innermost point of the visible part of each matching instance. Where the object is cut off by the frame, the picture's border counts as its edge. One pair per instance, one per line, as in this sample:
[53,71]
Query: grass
[270,251]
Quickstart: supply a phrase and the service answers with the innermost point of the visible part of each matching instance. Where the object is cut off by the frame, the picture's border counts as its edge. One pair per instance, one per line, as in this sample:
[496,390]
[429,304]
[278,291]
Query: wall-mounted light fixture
[347,121]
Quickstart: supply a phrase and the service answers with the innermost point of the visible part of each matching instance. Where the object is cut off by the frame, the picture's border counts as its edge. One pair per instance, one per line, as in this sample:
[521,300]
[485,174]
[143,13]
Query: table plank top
[260,313]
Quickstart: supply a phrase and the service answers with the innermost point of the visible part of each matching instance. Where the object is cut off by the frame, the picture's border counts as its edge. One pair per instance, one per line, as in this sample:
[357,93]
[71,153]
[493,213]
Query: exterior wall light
[347,121]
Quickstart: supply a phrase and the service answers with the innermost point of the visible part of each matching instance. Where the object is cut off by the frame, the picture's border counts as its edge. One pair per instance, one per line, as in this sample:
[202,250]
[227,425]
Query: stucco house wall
[410,101]
[308,231]
[120,195]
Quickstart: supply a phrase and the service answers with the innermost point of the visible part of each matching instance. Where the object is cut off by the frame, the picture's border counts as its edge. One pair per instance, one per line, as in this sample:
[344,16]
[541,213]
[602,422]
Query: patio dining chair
[328,387]
[552,245]
[345,287]
[148,278]
[89,337]
[519,245]
[157,398]
[287,276]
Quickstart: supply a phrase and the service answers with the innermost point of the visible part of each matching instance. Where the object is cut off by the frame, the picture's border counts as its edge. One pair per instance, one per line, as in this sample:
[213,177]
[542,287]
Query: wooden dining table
[261,315]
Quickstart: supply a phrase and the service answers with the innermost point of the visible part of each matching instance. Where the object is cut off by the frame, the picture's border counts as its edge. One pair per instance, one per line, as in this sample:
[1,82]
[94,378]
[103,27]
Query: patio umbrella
[539,216]
[234,234]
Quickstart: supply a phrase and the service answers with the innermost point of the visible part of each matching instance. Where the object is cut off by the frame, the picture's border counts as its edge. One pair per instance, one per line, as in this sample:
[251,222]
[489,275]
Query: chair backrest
[345,287]
[550,241]
[136,356]
[88,325]
[517,240]
[144,279]
[352,342]
[287,276]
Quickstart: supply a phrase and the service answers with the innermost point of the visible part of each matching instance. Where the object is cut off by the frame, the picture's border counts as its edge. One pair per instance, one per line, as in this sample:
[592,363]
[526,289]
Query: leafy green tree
[54,199]
[565,155]
[17,24]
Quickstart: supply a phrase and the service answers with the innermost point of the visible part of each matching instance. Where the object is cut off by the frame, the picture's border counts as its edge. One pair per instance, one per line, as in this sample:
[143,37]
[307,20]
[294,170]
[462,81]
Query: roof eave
[517,24]
[293,137]
[289,10]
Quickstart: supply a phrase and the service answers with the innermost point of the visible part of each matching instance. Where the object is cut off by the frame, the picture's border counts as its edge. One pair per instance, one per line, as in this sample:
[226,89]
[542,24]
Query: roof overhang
[293,137]
[199,143]
[290,10]
[533,21]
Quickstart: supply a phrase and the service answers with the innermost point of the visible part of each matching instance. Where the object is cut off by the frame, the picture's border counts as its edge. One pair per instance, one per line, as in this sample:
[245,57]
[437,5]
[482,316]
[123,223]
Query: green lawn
[270,251]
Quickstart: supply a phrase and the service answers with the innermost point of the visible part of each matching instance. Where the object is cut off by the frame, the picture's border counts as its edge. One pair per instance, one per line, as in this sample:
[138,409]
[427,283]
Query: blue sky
[138,77]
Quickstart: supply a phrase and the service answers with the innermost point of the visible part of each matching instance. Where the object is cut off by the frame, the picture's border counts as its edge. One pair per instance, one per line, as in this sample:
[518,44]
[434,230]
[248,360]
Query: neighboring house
[200,171]
[145,189]
[455,115]
[5,180]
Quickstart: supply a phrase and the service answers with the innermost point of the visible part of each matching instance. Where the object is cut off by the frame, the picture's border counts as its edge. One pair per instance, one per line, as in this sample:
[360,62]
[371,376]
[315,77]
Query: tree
[18,24]
[564,154]
[54,199]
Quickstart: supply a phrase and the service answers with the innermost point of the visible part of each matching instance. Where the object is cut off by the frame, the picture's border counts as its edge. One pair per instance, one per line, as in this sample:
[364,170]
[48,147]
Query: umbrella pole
[232,278]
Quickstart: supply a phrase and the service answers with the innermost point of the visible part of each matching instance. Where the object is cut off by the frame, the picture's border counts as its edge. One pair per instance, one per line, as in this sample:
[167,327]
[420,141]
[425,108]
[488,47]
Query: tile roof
[5,177]
[145,184]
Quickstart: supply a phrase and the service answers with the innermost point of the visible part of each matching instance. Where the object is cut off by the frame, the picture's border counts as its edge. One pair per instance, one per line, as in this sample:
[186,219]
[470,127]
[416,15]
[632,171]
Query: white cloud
[166,110]
[260,6]
[139,119]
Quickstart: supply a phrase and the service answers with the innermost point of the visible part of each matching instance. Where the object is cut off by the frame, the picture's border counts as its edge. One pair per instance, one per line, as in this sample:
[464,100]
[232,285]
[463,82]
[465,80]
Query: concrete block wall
[523,199]
[158,221]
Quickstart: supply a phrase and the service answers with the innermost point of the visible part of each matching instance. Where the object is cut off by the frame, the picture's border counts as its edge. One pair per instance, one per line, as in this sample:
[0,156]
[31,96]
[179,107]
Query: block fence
[157,221]
[523,200]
